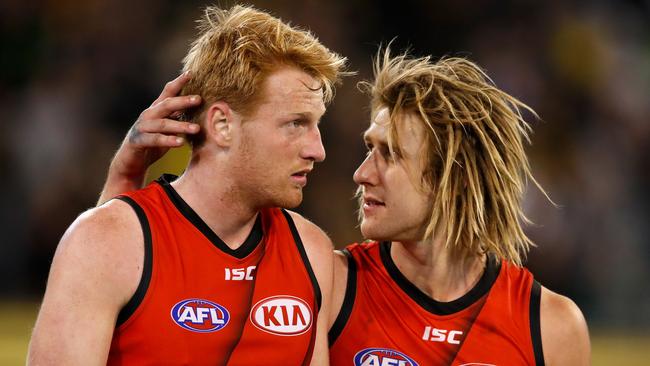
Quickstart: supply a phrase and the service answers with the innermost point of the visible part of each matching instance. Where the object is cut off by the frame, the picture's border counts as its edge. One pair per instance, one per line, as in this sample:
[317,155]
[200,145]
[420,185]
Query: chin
[371,232]
[288,201]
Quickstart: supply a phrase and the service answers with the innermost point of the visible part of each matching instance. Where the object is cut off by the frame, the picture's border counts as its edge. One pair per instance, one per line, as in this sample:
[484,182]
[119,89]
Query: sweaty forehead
[292,90]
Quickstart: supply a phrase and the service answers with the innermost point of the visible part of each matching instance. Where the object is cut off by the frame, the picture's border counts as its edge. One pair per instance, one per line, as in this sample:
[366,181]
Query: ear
[220,123]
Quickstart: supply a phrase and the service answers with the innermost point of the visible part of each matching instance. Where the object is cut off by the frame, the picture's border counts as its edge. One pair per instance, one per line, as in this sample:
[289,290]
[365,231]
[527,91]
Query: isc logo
[382,357]
[199,315]
[240,274]
[282,315]
[442,335]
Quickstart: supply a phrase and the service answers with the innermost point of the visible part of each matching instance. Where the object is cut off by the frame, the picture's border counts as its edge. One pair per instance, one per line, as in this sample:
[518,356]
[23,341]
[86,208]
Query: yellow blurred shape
[17,319]
[174,162]
[620,348]
[579,53]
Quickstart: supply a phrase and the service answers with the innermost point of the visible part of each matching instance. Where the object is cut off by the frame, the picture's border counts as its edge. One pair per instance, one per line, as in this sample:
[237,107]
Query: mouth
[300,177]
[371,203]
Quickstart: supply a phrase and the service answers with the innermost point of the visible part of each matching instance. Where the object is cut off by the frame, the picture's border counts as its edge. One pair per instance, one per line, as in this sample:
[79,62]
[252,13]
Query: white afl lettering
[188,315]
[373,360]
[200,315]
[382,357]
[441,335]
[282,315]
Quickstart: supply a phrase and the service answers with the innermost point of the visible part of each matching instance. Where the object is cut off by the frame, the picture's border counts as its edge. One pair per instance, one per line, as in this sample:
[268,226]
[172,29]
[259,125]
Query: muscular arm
[90,280]
[150,137]
[319,251]
[565,338]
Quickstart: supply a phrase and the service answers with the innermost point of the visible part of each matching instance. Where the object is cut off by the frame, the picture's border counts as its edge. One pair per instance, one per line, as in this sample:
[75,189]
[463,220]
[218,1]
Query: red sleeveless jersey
[201,303]
[386,320]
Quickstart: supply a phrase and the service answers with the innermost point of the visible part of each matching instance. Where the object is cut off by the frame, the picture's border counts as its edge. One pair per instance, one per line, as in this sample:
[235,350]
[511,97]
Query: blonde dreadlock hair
[476,168]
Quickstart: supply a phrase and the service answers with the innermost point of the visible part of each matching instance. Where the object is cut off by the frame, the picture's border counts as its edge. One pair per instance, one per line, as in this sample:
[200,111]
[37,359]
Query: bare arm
[90,280]
[565,338]
[150,137]
[319,251]
[340,285]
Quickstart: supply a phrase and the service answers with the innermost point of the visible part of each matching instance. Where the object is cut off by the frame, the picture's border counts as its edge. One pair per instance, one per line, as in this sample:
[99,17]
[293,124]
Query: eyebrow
[304,115]
[367,138]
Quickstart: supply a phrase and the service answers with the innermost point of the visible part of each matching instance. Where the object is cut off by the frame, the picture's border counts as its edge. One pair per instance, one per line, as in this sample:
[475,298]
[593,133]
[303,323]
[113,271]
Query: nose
[314,149]
[366,172]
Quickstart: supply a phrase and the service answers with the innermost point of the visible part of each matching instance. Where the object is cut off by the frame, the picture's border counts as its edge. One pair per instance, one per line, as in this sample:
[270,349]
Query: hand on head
[157,130]
[150,137]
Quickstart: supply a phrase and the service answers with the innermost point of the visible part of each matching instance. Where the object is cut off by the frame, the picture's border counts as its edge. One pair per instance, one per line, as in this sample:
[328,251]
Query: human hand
[154,132]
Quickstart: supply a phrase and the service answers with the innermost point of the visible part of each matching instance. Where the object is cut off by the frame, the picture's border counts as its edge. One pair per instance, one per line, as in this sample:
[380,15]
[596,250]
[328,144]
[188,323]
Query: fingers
[160,140]
[171,105]
[155,126]
[167,126]
[163,127]
[173,87]
[157,140]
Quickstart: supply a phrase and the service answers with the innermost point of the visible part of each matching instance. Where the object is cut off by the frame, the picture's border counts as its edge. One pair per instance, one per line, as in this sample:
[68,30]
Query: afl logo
[200,316]
[282,315]
[382,357]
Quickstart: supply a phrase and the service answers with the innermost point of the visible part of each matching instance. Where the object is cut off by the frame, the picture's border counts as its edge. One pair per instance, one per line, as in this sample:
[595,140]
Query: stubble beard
[290,197]
[275,195]
[262,184]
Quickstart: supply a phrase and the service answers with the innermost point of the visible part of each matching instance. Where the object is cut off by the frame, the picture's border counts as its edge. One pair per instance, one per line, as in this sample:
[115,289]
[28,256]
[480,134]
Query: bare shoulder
[565,337]
[313,237]
[340,264]
[104,244]
[340,285]
[340,272]
[95,271]
[318,247]
[98,227]
[109,217]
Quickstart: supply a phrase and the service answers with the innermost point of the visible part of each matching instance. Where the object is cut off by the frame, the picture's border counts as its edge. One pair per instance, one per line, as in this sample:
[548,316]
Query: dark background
[74,75]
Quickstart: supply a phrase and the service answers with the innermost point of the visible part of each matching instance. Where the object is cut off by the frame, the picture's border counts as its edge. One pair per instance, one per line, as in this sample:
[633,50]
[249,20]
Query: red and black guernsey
[201,303]
[387,320]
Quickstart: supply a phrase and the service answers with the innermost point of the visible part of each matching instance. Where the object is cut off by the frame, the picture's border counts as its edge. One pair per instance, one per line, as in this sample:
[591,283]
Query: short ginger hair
[238,47]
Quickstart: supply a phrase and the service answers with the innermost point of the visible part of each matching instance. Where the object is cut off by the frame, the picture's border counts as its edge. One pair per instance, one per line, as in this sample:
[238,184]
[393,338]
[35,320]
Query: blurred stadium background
[75,74]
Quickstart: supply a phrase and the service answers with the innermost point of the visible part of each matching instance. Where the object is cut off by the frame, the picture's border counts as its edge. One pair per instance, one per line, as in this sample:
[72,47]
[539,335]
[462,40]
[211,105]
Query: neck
[438,271]
[208,189]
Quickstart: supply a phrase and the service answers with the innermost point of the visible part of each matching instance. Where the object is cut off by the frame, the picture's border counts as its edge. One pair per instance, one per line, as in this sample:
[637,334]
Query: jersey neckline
[431,305]
[251,242]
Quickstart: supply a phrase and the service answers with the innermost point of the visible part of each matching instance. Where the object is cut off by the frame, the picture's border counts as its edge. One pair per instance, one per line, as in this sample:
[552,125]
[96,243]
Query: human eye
[294,124]
[385,153]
